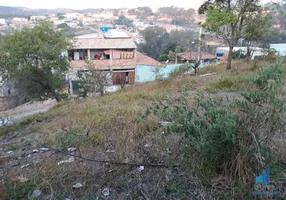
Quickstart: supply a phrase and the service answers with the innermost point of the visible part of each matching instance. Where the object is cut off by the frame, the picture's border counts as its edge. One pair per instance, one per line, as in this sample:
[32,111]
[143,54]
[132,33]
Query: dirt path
[27,109]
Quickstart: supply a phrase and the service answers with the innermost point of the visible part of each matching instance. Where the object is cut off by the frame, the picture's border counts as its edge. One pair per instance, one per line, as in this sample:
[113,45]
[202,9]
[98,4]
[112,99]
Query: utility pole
[200,44]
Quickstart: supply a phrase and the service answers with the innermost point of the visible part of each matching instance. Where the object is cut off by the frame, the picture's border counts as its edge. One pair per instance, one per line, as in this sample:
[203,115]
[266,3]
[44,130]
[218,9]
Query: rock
[24,166]
[29,155]
[105,192]
[35,151]
[165,124]
[71,159]
[36,193]
[44,149]
[78,185]
[167,151]
[141,168]
[110,151]
[10,152]
[14,163]
[22,179]
[127,160]
[147,145]
[72,149]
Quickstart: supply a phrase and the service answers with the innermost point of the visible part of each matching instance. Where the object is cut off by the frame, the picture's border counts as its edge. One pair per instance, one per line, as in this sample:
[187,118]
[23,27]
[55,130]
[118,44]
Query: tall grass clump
[231,139]
[181,70]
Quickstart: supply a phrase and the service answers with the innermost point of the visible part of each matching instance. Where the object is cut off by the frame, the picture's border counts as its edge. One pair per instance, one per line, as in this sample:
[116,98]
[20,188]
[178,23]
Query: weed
[19,191]
[226,138]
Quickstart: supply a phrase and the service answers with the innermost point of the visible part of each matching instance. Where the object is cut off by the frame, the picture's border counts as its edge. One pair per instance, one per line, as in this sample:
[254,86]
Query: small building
[224,51]
[2,21]
[191,56]
[108,50]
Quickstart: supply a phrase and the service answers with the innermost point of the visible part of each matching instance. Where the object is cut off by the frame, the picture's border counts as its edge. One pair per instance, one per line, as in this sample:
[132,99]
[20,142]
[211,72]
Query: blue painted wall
[145,73]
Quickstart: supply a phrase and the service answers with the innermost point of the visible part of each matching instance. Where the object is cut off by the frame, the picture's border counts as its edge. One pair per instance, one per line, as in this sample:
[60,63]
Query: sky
[82,4]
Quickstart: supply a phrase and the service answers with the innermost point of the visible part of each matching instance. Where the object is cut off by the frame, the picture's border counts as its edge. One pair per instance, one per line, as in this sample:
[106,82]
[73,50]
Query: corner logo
[262,184]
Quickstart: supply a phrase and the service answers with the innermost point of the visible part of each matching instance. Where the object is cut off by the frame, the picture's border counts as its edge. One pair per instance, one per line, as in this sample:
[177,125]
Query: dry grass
[95,125]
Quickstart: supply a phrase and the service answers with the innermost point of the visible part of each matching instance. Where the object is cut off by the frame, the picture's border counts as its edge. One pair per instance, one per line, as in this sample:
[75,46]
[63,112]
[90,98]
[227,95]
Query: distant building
[224,51]
[192,56]
[35,18]
[2,21]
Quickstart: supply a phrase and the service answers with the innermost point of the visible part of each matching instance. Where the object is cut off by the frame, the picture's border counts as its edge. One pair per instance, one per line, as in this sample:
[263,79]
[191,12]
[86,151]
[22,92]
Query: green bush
[225,138]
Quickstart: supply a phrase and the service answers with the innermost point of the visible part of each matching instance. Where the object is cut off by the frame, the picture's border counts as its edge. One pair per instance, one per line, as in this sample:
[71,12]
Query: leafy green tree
[33,57]
[122,20]
[227,18]
[257,28]
[173,54]
[156,40]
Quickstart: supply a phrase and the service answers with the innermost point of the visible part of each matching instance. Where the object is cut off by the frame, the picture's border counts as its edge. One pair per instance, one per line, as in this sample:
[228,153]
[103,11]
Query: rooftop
[194,55]
[112,39]
[92,35]
[142,59]
[116,33]
[96,43]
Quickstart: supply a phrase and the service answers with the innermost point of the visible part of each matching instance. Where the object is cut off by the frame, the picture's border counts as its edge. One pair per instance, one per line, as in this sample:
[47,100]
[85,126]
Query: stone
[22,179]
[105,192]
[71,159]
[10,152]
[72,149]
[36,193]
[24,166]
[78,185]
[35,151]
[167,151]
[141,168]
[147,145]
[44,149]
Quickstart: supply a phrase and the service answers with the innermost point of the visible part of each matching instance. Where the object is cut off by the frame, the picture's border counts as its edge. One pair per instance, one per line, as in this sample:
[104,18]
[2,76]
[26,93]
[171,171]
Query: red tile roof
[142,59]
[194,55]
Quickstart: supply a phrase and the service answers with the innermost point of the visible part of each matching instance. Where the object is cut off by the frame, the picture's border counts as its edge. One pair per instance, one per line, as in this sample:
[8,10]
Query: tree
[173,54]
[33,57]
[227,18]
[122,20]
[156,39]
[93,80]
[257,28]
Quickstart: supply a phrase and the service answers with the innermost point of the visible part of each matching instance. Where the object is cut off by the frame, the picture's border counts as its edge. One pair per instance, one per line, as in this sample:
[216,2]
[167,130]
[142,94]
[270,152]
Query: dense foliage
[33,58]
[159,42]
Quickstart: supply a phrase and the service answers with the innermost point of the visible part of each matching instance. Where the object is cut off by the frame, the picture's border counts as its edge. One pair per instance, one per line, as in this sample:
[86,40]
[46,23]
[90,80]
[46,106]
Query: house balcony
[104,64]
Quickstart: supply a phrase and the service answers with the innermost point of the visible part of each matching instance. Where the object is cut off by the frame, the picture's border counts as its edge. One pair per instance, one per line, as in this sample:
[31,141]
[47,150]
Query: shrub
[225,138]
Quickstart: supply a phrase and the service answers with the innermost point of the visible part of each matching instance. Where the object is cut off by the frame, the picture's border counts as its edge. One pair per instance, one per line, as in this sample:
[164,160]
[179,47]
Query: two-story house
[108,50]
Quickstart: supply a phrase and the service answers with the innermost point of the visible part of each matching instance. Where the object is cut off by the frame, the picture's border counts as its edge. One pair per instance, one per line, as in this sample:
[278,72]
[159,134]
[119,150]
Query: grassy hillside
[112,144]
